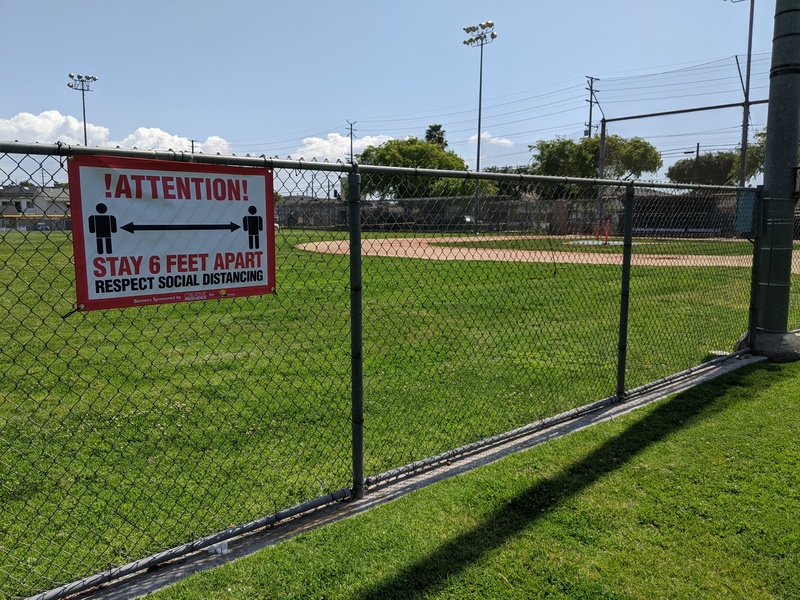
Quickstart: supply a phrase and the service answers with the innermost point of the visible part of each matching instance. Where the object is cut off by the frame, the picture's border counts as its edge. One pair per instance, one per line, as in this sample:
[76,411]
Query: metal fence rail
[416,312]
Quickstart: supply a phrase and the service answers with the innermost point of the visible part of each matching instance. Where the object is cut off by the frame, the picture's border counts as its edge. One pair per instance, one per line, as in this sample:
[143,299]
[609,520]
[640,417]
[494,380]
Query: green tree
[415,153]
[624,157]
[756,152]
[435,135]
[514,188]
[714,168]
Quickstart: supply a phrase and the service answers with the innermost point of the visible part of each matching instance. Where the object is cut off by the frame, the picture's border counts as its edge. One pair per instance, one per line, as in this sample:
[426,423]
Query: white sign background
[150,232]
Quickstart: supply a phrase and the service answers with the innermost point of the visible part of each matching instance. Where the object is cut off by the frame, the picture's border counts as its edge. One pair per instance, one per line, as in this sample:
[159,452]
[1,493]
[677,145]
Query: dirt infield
[436,249]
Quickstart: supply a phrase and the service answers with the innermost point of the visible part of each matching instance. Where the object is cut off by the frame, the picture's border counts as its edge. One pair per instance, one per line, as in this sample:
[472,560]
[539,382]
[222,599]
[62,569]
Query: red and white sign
[152,232]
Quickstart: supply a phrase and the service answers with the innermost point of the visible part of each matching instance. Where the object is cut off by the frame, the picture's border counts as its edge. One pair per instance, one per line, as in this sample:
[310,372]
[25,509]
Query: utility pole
[746,104]
[352,157]
[591,101]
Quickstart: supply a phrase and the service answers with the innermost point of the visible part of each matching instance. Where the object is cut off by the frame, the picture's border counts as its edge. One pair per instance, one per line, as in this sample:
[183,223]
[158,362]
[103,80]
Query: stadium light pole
[83,84]
[481,34]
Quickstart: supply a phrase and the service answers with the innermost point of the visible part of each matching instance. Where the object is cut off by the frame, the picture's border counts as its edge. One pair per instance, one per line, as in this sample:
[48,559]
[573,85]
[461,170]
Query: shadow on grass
[424,576]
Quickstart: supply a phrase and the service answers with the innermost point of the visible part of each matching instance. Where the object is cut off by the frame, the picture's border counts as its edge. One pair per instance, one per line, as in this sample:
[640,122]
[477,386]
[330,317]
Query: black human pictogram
[103,226]
[253,225]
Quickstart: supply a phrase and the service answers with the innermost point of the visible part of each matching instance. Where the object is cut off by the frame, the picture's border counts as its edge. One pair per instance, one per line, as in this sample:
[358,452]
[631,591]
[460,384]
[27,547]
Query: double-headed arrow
[132,227]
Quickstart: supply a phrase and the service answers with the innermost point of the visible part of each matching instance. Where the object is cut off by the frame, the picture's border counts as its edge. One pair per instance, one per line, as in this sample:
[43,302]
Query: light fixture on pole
[83,84]
[481,34]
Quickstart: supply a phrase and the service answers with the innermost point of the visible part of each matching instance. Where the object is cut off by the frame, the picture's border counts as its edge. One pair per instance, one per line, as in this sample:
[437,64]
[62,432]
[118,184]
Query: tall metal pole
[82,84]
[480,103]
[601,169]
[484,33]
[477,210]
[780,163]
[83,101]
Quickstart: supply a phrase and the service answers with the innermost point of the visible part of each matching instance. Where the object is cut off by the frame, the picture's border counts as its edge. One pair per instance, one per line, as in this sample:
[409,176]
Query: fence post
[780,162]
[627,251]
[356,331]
[755,277]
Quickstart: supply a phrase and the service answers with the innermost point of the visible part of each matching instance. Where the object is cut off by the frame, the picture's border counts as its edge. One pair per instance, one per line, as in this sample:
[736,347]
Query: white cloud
[51,126]
[153,138]
[487,138]
[506,143]
[335,146]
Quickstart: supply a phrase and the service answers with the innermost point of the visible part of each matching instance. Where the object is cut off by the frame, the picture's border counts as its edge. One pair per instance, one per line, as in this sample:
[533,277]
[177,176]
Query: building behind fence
[404,330]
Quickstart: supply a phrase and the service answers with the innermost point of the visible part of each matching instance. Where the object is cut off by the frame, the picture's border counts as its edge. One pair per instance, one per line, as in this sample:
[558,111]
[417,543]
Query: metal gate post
[755,277]
[356,331]
[627,251]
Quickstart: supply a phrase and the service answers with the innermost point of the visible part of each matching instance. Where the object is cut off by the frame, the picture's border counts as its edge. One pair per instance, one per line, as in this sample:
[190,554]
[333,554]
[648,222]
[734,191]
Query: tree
[435,135]
[514,188]
[623,157]
[756,152]
[714,168]
[415,153]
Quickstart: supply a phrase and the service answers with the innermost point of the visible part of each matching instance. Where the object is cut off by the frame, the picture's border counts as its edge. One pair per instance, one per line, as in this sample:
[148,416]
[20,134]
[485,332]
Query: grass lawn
[694,496]
[129,431]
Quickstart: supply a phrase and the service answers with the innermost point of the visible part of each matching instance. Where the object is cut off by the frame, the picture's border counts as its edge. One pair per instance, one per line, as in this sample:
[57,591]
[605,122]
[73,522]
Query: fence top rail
[66,150]
[519,177]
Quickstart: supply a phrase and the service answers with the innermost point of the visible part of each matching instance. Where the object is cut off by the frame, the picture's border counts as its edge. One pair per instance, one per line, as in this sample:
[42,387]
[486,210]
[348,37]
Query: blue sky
[283,78]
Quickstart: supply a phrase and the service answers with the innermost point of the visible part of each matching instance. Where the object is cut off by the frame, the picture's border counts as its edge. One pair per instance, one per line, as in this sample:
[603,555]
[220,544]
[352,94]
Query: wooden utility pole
[591,102]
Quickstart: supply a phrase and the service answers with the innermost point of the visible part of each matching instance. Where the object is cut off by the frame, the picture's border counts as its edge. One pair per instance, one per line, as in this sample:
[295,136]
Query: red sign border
[74,165]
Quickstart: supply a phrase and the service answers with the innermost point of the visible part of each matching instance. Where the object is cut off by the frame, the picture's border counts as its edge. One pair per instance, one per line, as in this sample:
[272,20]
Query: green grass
[695,496]
[125,432]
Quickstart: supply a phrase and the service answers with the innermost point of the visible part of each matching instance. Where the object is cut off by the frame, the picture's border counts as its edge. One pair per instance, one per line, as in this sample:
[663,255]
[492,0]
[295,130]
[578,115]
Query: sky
[290,79]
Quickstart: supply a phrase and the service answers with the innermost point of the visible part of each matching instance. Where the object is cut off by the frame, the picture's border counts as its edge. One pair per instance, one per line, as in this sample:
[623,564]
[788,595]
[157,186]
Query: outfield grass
[125,432]
[695,496]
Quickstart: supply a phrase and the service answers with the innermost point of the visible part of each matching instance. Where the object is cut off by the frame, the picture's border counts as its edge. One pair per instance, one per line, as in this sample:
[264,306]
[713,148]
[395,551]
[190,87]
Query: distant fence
[417,314]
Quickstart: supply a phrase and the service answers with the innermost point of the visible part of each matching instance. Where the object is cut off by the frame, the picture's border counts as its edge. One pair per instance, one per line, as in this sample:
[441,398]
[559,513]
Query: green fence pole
[356,331]
[755,278]
[627,252]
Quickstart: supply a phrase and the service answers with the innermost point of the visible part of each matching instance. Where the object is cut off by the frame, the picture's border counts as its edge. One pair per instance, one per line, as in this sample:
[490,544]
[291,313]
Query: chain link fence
[488,303]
